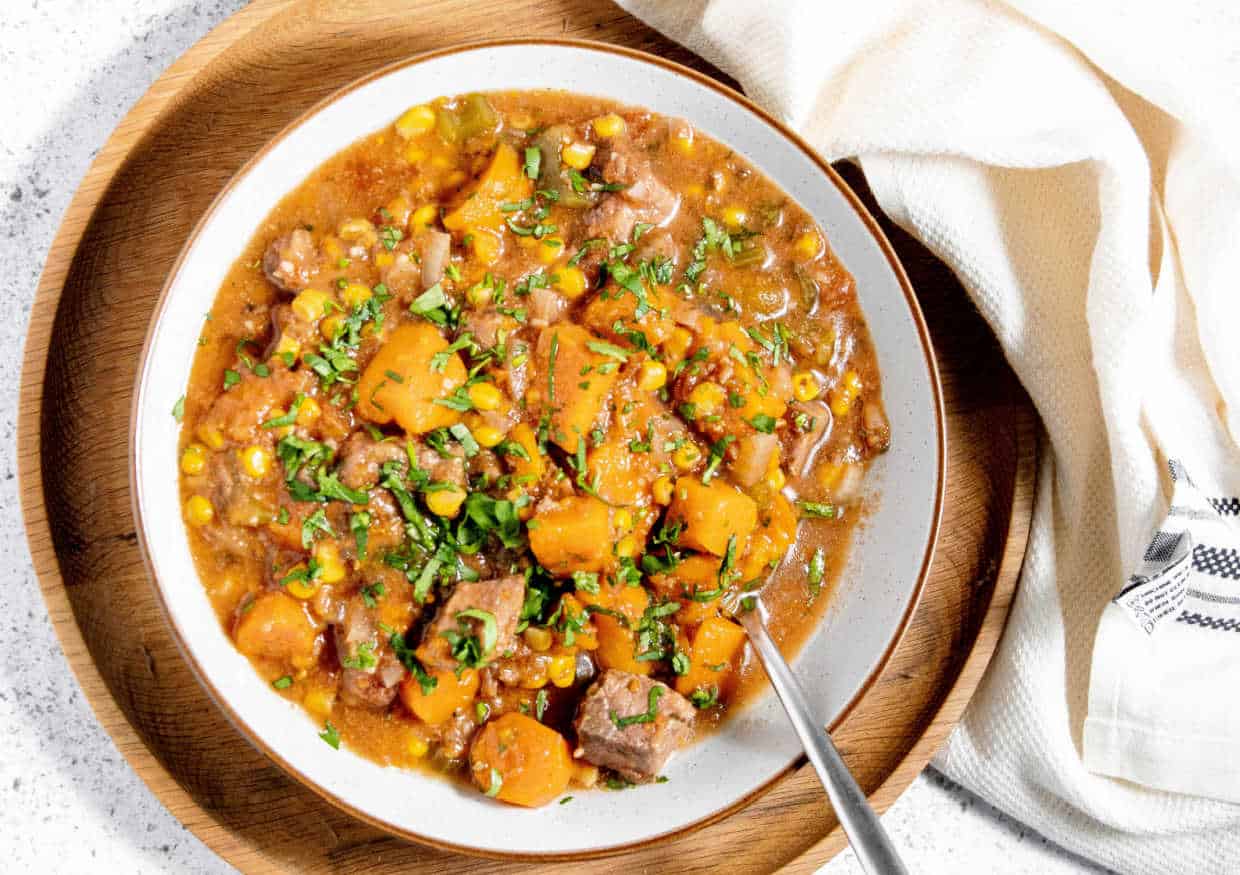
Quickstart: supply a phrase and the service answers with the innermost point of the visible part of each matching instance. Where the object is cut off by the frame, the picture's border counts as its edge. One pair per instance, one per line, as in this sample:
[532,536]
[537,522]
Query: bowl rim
[862,213]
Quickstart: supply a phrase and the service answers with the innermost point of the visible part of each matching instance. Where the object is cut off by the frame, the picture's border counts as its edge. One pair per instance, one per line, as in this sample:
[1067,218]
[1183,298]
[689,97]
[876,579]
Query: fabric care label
[1157,591]
[1191,570]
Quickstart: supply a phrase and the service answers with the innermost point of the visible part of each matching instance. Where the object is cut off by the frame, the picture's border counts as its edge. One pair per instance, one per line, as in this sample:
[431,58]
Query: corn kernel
[652,376]
[623,520]
[424,216]
[487,247]
[211,436]
[198,510]
[309,412]
[331,568]
[776,479]
[843,395]
[805,386]
[687,456]
[194,459]
[485,396]
[445,502]
[385,259]
[678,343]
[310,304]
[735,217]
[415,121]
[577,155]
[288,346]
[695,190]
[610,125]
[808,246]
[319,702]
[571,281]
[682,140]
[488,435]
[537,638]
[562,670]
[627,547]
[663,490]
[415,154]
[331,326]
[255,461]
[355,229]
[549,250]
[707,398]
[356,294]
[535,681]
[417,746]
[442,162]
[301,589]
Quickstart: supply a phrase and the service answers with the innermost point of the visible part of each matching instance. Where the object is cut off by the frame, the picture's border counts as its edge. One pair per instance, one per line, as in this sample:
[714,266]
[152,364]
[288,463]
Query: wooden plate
[200,121]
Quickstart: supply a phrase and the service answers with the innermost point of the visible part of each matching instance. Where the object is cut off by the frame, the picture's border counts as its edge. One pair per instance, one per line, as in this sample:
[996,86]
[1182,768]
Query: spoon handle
[866,834]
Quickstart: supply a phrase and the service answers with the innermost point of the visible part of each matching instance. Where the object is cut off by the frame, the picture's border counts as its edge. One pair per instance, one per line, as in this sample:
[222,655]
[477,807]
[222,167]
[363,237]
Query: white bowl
[868,611]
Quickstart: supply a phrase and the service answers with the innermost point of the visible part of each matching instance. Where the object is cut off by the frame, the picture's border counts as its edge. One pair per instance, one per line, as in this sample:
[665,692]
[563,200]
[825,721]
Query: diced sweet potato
[614,304]
[696,573]
[617,640]
[451,692]
[503,181]
[713,657]
[573,399]
[518,760]
[529,469]
[776,530]
[278,628]
[400,382]
[712,513]
[572,535]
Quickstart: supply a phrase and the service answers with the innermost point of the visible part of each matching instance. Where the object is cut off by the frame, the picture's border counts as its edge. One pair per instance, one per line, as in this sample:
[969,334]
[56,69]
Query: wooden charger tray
[151,182]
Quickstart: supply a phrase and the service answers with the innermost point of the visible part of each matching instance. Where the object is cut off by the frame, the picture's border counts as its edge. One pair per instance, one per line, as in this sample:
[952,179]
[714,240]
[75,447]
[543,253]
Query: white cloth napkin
[1078,165]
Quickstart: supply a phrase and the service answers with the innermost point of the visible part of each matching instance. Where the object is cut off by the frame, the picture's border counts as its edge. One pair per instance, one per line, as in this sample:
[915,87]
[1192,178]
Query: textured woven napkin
[1075,163]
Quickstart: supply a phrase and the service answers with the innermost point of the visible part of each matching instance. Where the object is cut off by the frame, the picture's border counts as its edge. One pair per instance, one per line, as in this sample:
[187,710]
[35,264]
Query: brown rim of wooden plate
[858,208]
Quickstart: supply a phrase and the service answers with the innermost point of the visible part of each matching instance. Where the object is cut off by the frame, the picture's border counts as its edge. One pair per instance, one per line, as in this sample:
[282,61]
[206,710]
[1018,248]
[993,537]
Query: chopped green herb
[817,568]
[330,735]
[178,409]
[282,683]
[817,509]
[647,716]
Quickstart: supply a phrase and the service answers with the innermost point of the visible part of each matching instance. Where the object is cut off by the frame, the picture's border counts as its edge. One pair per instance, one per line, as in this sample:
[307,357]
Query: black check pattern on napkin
[1225,506]
[1205,621]
[1216,561]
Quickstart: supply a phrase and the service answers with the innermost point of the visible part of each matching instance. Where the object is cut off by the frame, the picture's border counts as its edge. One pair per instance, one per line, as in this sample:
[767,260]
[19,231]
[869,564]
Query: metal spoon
[866,834]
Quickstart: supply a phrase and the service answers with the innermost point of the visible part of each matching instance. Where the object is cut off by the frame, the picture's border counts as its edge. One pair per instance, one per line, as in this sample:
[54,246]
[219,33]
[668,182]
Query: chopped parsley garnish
[371,594]
[289,418]
[468,649]
[763,423]
[282,683]
[315,523]
[497,783]
[610,350]
[817,568]
[540,705]
[231,378]
[363,660]
[178,409]
[359,525]
[403,652]
[717,449]
[817,509]
[586,581]
[704,697]
[533,161]
[330,735]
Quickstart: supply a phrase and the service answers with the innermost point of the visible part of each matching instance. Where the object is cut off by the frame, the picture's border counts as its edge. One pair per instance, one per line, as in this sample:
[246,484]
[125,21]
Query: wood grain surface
[151,182]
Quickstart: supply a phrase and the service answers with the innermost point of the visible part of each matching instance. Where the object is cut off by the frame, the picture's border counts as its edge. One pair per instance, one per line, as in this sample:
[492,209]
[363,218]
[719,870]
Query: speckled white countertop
[68,801]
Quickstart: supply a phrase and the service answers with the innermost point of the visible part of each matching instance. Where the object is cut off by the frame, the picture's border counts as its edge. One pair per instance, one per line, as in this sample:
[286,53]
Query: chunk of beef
[291,260]
[502,598]
[546,307]
[645,198]
[362,459]
[443,469]
[371,674]
[639,750]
